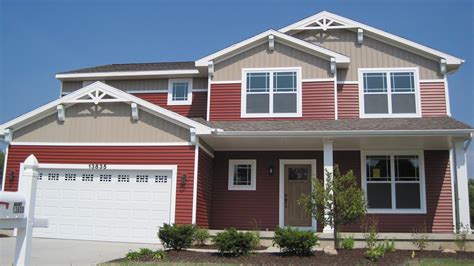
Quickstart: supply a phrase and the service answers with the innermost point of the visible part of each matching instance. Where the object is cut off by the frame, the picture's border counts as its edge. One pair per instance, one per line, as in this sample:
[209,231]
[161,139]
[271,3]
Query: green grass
[444,262]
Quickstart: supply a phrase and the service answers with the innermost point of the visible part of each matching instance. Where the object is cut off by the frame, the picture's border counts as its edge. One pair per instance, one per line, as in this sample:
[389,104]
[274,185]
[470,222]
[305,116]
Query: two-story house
[233,139]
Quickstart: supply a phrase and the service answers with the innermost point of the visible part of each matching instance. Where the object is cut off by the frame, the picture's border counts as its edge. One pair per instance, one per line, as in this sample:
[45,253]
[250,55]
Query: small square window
[180,91]
[242,174]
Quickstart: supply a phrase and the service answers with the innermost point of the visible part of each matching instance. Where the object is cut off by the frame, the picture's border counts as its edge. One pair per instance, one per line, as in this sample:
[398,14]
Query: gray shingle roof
[432,123]
[135,67]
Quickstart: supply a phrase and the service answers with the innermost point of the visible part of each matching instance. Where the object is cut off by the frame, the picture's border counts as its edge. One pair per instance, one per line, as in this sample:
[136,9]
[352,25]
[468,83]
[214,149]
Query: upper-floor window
[389,93]
[271,92]
[180,91]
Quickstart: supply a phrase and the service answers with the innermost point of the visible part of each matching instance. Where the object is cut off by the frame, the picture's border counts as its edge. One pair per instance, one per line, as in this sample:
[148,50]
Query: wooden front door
[297,183]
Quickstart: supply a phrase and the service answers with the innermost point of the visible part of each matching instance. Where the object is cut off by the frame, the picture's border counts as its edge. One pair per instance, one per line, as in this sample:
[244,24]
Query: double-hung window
[180,91]
[394,182]
[271,93]
[389,93]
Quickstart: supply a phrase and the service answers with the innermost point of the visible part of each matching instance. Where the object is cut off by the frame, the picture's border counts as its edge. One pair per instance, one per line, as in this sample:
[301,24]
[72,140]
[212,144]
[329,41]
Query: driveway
[69,252]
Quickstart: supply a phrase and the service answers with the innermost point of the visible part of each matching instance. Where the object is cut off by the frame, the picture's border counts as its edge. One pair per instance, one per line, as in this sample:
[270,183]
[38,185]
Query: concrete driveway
[69,252]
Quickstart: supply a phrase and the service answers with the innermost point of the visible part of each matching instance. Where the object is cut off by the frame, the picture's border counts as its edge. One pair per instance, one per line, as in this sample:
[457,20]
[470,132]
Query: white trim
[348,82]
[195,180]
[452,168]
[253,175]
[208,103]
[146,91]
[173,168]
[226,82]
[317,50]
[207,151]
[389,93]
[272,70]
[392,153]
[128,73]
[431,80]
[317,80]
[446,95]
[281,188]
[4,177]
[189,98]
[336,115]
[460,159]
[421,49]
[125,97]
[102,143]
[199,90]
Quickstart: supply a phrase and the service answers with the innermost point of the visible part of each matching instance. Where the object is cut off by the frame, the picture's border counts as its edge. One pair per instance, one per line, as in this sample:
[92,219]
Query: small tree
[341,201]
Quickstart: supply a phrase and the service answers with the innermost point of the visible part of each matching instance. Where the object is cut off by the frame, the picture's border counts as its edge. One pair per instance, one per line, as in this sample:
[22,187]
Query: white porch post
[462,184]
[328,168]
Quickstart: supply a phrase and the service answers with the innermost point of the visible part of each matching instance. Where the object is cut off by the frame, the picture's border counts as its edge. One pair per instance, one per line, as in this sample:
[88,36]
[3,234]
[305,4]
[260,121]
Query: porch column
[461,185]
[328,168]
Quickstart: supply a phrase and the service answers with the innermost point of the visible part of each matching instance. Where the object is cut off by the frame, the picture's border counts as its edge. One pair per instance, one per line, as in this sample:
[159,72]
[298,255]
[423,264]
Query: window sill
[270,115]
[401,211]
[390,116]
[179,103]
[236,188]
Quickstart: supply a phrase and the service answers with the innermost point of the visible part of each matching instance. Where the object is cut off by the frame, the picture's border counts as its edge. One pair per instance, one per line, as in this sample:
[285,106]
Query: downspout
[195,141]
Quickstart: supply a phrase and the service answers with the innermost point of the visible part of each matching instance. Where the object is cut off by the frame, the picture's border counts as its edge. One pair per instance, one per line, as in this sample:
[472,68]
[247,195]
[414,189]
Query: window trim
[392,154]
[299,100]
[415,71]
[170,91]
[253,175]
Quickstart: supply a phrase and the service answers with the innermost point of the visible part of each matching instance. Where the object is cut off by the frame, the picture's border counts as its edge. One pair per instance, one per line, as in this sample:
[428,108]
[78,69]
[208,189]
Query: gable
[261,56]
[102,123]
[371,53]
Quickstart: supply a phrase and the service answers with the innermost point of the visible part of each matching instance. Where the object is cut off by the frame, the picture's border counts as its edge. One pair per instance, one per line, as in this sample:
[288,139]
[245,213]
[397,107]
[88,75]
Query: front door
[297,183]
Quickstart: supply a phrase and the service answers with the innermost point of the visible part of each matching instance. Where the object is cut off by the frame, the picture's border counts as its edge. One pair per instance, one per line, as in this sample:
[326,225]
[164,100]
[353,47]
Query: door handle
[286,201]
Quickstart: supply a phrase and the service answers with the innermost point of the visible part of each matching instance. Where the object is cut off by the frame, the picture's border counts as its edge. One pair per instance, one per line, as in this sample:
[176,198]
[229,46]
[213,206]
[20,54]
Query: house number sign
[97,166]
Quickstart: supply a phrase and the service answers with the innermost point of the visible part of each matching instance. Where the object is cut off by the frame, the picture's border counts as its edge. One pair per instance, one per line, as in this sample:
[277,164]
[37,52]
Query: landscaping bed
[344,257]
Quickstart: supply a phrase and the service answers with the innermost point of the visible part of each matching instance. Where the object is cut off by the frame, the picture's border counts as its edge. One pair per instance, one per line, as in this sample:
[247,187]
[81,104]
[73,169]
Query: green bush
[389,246]
[295,242]
[348,243]
[234,243]
[201,236]
[133,255]
[375,253]
[158,255]
[177,237]
[145,254]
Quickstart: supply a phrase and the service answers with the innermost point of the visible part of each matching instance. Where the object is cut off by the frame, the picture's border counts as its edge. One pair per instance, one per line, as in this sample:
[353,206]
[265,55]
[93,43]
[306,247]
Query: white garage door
[108,205]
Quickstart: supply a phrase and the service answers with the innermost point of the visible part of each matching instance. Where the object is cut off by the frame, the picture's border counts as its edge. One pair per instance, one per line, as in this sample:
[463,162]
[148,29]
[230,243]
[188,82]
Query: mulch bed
[345,257]
[215,247]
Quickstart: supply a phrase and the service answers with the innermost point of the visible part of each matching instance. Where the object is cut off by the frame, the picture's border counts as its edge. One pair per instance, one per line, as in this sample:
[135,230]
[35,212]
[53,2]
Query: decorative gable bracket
[324,23]
[97,96]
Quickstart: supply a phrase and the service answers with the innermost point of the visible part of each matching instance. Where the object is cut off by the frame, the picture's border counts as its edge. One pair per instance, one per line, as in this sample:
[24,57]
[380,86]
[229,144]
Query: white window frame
[299,109]
[387,71]
[170,92]
[253,175]
[422,209]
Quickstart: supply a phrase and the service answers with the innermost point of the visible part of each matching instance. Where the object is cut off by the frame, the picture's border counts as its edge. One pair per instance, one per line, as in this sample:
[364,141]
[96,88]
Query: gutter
[345,133]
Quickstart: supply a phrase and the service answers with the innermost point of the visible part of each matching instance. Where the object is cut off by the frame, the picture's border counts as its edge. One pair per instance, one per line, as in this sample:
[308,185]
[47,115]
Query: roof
[398,126]
[134,69]
[101,92]
[279,36]
[343,22]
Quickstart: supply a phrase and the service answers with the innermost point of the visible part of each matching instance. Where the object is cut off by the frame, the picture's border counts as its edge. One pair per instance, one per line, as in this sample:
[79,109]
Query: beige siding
[200,83]
[70,86]
[372,53]
[110,122]
[313,67]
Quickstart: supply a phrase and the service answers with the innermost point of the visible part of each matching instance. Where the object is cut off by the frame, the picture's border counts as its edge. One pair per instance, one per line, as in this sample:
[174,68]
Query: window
[389,93]
[271,93]
[394,182]
[242,174]
[180,91]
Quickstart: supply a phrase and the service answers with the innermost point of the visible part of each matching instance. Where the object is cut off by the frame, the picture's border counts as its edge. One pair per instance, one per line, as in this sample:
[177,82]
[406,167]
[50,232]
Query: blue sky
[41,38]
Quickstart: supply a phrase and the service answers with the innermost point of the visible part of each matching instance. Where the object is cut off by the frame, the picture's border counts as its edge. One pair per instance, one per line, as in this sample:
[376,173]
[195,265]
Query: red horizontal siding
[204,192]
[241,208]
[318,102]
[182,156]
[347,101]
[433,99]
[197,109]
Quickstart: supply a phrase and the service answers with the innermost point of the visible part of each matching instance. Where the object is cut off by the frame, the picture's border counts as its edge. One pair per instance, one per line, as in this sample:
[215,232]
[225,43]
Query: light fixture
[183,179]
[270,170]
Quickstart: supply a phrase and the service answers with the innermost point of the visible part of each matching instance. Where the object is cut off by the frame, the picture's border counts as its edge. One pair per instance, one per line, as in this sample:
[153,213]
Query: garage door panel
[107,205]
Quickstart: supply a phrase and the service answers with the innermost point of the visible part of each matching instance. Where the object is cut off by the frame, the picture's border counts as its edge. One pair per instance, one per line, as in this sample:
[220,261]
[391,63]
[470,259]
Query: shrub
[201,236]
[420,238]
[145,252]
[389,246]
[133,255]
[348,243]
[295,242]
[375,250]
[233,243]
[177,236]
[158,255]
[375,253]
[461,238]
